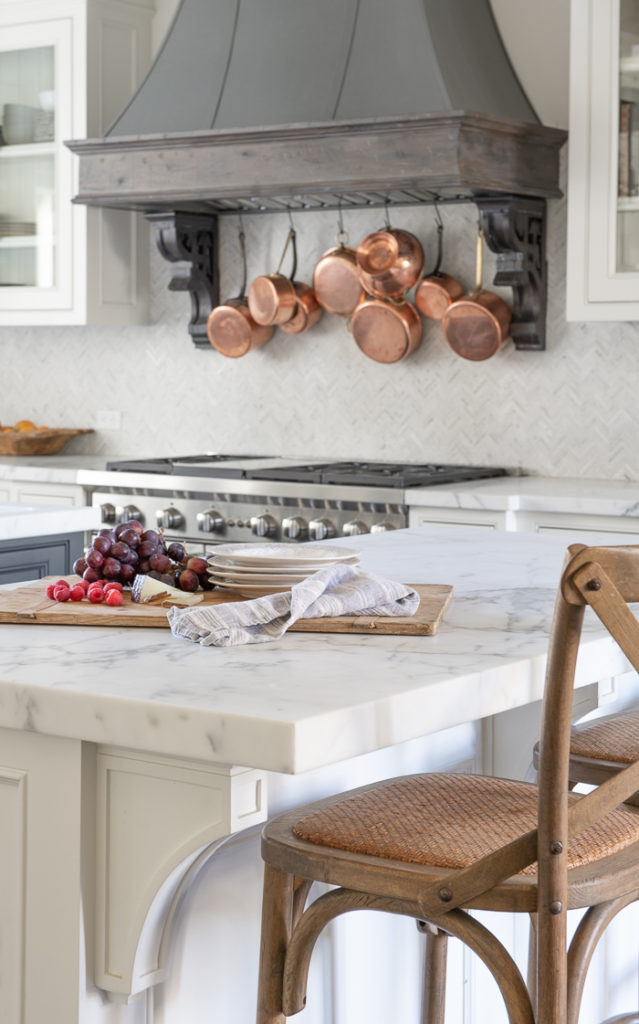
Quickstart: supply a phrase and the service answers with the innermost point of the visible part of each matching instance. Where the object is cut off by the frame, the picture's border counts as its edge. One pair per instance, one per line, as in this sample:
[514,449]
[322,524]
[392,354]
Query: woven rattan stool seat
[450,821]
[610,739]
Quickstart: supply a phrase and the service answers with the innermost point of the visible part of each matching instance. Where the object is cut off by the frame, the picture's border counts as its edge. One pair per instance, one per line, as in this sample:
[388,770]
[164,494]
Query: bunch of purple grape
[128,549]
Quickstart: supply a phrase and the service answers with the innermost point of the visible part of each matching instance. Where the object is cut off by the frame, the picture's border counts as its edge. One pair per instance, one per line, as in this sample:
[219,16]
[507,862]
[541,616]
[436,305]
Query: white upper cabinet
[67,67]
[603,173]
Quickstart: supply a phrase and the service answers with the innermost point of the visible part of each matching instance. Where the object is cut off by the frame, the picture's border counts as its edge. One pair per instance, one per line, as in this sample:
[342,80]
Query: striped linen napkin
[336,590]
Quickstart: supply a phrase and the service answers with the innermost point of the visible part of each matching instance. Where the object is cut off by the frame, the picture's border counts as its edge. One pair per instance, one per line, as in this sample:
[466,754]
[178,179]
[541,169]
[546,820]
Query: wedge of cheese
[148,590]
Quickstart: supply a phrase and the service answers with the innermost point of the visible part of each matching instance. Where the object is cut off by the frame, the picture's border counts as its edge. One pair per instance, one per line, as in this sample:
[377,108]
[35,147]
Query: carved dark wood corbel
[515,228]
[189,242]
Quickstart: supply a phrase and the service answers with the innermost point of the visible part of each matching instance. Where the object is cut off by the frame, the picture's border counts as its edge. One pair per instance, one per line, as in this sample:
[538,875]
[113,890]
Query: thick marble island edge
[310,700]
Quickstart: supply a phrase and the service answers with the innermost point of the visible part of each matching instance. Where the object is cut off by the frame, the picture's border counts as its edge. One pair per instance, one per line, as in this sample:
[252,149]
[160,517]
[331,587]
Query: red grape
[79,566]
[102,544]
[187,580]
[94,559]
[111,568]
[162,563]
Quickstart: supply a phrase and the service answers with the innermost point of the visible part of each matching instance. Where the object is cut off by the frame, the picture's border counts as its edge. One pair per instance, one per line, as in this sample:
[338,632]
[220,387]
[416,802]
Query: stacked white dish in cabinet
[254,570]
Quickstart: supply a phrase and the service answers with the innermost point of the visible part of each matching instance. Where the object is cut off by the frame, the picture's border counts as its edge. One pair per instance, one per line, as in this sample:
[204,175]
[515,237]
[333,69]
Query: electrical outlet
[107,419]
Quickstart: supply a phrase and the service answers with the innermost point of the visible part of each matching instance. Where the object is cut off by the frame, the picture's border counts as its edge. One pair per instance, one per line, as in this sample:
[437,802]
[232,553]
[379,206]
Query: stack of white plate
[256,569]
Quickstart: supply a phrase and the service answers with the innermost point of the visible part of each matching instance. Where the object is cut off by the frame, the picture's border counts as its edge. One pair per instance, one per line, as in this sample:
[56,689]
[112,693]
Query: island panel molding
[159,820]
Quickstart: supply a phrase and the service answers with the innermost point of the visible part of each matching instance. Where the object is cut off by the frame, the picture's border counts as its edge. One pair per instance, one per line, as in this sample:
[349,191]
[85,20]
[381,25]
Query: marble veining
[310,699]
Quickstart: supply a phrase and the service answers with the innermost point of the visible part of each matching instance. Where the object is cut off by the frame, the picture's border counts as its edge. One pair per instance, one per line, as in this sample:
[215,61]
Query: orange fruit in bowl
[24,425]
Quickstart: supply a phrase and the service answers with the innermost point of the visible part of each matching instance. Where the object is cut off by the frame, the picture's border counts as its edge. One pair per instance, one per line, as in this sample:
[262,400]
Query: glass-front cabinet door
[36,172]
[603,179]
[67,68]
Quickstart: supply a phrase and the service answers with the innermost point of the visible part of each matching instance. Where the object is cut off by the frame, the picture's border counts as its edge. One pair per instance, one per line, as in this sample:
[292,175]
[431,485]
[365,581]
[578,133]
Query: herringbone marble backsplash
[569,411]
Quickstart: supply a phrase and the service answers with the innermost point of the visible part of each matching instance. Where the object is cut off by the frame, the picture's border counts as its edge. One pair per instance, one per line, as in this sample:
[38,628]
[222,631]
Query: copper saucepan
[437,290]
[272,298]
[386,330]
[390,262]
[307,312]
[477,325]
[336,279]
[231,329]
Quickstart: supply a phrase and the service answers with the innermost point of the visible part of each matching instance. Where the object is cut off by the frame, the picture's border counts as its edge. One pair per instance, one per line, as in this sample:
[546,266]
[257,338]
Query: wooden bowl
[36,442]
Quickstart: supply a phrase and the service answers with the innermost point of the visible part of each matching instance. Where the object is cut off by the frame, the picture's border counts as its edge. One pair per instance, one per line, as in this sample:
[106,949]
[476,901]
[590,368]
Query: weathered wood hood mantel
[204,134]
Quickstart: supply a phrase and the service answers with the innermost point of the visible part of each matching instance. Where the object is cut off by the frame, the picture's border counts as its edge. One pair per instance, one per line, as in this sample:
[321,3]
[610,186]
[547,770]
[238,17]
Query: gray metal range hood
[270,105]
[249,63]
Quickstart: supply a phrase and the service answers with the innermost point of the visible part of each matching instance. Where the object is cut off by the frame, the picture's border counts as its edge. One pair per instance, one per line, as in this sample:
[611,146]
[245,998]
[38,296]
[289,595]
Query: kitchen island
[143,754]
[41,540]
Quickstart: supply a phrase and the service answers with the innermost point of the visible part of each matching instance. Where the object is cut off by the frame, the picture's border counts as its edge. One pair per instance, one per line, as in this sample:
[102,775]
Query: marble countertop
[18,521]
[576,496]
[54,469]
[309,700]
[507,494]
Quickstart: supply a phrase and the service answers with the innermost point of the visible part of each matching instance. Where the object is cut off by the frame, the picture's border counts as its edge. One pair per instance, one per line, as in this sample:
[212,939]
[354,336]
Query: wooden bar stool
[435,846]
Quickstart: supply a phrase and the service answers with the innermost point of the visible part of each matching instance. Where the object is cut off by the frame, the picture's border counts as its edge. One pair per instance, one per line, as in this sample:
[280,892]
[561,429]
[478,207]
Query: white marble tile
[309,700]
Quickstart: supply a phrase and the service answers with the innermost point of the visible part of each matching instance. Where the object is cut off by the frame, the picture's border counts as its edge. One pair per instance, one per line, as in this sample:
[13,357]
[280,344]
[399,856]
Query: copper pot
[336,281]
[232,330]
[230,327]
[386,330]
[307,313]
[477,325]
[437,290]
[271,298]
[390,262]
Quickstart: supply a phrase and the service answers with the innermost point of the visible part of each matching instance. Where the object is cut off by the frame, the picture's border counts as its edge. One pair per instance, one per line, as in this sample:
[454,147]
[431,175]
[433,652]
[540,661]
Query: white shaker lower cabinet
[67,68]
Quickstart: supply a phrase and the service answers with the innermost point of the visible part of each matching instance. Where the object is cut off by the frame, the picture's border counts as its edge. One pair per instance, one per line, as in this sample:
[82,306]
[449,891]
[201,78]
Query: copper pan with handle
[272,298]
[390,262]
[336,279]
[231,329]
[307,312]
[478,325]
[437,290]
[386,330]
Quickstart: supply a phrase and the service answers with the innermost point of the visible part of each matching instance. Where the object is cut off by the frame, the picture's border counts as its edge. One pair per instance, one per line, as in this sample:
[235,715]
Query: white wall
[568,411]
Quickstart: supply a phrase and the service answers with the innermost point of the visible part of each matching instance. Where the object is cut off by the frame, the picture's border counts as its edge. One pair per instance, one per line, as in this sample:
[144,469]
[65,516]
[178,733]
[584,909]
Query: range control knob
[169,518]
[382,527]
[210,521]
[321,529]
[354,527]
[107,512]
[295,528]
[263,526]
[126,512]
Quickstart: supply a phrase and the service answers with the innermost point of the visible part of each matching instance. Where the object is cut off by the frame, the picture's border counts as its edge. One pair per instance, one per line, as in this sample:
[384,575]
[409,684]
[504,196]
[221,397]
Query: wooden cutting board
[30,605]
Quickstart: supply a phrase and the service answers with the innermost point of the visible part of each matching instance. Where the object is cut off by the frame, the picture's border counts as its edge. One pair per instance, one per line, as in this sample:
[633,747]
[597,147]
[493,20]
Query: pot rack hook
[291,239]
[440,241]
[387,222]
[342,235]
[242,241]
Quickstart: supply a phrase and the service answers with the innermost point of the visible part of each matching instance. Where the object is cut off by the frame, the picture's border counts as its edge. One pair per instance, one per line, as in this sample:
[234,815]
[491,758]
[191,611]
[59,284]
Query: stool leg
[277,916]
[434,984]
[532,961]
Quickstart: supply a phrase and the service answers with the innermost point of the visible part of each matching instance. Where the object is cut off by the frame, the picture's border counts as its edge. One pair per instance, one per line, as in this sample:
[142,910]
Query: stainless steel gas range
[209,499]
